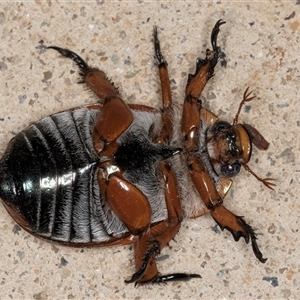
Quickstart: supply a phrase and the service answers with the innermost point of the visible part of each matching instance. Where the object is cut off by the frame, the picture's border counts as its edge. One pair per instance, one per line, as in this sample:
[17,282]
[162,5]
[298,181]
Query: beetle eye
[221,125]
[230,170]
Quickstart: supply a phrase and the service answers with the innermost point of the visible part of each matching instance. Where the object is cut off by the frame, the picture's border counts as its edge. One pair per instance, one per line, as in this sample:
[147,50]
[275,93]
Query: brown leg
[151,243]
[204,67]
[95,79]
[195,85]
[113,119]
[238,228]
[163,72]
[207,191]
[165,91]
[200,176]
[129,204]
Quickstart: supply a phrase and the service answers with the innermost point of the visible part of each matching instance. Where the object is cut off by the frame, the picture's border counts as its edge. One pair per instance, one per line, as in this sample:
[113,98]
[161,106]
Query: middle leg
[166,131]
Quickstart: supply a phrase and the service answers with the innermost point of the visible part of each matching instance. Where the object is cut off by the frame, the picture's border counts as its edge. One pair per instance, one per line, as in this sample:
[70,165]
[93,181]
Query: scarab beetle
[113,173]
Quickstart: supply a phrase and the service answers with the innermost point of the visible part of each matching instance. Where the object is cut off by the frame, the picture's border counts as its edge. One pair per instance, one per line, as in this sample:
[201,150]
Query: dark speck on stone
[3,66]
[122,35]
[216,229]
[22,98]
[16,229]
[288,156]
[63,262]
[47,75]
[273,280]
[223,60]
[162,257]
[292,15]
[247,108]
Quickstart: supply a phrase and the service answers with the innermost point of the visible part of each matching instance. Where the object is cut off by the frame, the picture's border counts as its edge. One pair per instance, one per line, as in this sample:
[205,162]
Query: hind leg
[94,78]
[151,242]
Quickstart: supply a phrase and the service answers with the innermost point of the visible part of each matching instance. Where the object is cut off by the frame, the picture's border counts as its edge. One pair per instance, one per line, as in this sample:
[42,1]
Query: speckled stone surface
[261,43]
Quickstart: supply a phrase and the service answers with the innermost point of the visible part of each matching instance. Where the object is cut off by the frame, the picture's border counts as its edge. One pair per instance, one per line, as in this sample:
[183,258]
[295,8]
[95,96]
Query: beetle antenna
[245,99]
[265,181]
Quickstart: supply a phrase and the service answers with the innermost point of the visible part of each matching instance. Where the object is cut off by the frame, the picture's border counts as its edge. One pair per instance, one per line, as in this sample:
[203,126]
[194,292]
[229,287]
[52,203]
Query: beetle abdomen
[48,175]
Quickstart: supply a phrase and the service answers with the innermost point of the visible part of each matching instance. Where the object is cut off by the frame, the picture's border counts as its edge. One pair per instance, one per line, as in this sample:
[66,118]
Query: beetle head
[229,147]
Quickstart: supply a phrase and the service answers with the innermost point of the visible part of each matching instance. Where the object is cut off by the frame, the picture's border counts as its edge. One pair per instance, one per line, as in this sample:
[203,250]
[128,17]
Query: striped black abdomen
[49,172]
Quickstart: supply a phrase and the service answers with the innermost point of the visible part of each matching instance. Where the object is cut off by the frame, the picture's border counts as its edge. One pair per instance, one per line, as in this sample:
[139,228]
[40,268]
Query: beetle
[113,173]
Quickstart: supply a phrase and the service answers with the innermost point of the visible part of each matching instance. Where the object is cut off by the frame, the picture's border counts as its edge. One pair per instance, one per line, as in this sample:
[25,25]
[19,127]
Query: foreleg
[204,67]
[238,228]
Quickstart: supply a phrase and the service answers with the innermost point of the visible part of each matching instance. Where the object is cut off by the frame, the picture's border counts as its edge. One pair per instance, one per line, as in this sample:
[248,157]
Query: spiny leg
[238,228]
[95,79]
[204,67]
[150,243]
[223,217]
[163,72]
[192,106]
[203,182]
[161,63]
[146,250]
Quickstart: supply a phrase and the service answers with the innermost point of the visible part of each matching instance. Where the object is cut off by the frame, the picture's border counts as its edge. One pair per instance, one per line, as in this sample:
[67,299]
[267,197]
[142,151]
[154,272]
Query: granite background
[261,43]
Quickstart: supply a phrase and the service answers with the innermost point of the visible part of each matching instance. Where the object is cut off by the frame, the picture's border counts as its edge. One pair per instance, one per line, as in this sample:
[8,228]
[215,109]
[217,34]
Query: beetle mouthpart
[265,181]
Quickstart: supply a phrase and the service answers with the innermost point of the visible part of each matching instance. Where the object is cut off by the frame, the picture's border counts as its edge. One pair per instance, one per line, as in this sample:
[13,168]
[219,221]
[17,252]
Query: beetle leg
[124,199]
[113,119]
[163,72]
[129,204]
[190,122]
[147,269]
[95,79]
[203,183]
[204,67]
[152,242]
[238,228]
[224,218]
[176,277]
[166,130]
